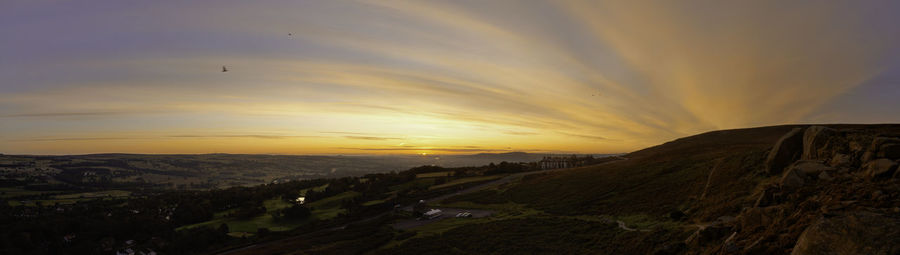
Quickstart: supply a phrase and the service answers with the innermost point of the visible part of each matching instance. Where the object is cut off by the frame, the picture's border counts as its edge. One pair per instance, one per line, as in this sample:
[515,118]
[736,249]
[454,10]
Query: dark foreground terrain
[800,189]
[773,190]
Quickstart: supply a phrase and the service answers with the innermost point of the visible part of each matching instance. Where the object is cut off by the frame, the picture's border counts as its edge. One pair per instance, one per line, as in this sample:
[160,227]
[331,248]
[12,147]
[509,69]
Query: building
[432,214]
[564,162]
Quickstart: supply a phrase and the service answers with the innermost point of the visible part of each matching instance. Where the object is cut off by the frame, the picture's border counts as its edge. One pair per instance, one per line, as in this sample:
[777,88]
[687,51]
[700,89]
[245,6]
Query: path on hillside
[501,181]
[498,182]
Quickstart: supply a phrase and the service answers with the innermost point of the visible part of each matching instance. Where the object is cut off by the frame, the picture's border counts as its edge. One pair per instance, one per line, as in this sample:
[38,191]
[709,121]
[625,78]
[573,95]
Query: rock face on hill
[798,189]
[840,196]
[851,233]
[818,142]
[786,150]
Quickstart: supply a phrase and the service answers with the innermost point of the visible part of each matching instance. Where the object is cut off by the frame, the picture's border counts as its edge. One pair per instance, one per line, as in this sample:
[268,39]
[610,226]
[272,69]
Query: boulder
[766,197]
[875,148]
[811,167]
[825,176]
[730,247]
[890,151]
[880,168]
[801,170]
[816,142]
[752,218]
[840,160]
[851,233]
[706,234]
[792,179]
[786,150]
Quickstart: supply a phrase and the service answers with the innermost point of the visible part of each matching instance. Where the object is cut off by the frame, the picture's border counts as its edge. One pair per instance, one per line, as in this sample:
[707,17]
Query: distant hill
[200,171]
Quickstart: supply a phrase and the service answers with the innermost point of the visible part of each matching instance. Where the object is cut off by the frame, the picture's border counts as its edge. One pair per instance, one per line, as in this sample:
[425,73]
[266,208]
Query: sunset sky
[392,77]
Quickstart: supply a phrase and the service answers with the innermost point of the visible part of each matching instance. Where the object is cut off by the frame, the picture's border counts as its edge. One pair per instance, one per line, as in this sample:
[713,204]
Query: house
[432,214]
[564,162]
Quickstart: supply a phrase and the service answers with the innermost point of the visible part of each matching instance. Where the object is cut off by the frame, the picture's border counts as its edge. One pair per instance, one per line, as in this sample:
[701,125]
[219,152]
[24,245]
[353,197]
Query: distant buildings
[433,213]
[565,162]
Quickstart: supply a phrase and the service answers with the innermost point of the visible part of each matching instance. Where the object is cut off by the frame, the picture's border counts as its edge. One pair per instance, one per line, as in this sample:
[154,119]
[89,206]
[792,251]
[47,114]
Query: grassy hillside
[712,193]
[686,196]
[657,180]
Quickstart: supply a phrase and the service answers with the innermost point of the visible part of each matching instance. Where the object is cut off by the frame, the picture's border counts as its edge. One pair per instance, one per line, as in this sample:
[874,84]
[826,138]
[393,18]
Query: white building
[433,213]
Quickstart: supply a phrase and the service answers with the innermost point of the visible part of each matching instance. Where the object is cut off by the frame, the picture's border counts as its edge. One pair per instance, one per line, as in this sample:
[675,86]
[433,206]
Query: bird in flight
[289,34]
[224,69]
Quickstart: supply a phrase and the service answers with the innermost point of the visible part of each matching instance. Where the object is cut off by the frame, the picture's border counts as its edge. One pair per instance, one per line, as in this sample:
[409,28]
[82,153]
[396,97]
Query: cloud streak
[444,74]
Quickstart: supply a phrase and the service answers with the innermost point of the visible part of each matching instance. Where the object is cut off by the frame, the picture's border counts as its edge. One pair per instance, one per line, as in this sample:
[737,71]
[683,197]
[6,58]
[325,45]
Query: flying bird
[224,69]
[289,34]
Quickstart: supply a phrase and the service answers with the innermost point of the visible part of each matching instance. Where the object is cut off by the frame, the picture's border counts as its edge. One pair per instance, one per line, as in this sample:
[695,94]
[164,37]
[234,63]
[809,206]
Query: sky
[436,77]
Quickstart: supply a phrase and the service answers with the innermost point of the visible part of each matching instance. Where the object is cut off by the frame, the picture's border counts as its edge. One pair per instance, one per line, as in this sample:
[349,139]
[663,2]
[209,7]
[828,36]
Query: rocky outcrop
[816,142]
[845,181]
[811,167]
[882,147]
[890,151]
[851,233]
[755,217]
[710,232]
[802,171]
[840,160]
[788,149]
[880,168]
[792,179]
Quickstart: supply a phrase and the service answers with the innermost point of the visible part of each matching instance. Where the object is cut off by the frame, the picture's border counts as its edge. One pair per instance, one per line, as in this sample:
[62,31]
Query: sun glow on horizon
[436,77]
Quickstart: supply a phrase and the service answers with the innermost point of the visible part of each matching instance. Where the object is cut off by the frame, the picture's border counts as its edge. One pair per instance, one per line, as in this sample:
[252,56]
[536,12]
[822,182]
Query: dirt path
[709,179]
[501,181]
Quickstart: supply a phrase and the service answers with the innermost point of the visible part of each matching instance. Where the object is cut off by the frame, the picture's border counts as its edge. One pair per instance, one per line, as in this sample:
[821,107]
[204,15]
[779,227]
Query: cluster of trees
[147,221]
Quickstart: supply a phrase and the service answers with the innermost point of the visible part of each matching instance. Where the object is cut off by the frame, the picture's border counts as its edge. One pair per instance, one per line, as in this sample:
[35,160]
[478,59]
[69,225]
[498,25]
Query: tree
[223,228]
[296,212]
[262,232]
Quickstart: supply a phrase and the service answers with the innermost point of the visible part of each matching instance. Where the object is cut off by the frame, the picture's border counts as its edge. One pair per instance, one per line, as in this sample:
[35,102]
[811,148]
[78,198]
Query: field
[434,174]
[322,210]
[421,183]
[66,198]
[465,180]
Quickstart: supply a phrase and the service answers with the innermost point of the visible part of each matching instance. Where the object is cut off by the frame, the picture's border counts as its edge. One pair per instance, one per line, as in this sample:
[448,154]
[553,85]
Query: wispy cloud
[379,138]
[74,139]
[242,136]
[519,133]
[593,137]
[65,114]
[443,73]
[442,149]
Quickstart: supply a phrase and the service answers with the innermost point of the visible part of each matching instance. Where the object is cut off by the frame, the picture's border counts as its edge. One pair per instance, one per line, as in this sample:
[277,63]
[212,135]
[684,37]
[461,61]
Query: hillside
[769,190]
[796,189]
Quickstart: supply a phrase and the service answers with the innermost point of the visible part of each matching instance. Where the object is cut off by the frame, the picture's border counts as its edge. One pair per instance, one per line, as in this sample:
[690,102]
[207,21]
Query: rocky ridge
[829,191]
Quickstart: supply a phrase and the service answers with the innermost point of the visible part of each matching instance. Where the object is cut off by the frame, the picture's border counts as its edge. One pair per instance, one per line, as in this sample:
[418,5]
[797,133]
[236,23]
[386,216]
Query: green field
[317,189]
[67,198]
[19,191]
[330,207]
[435,174]
[423,183]
[322,210]
[465,180]
[373,202]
